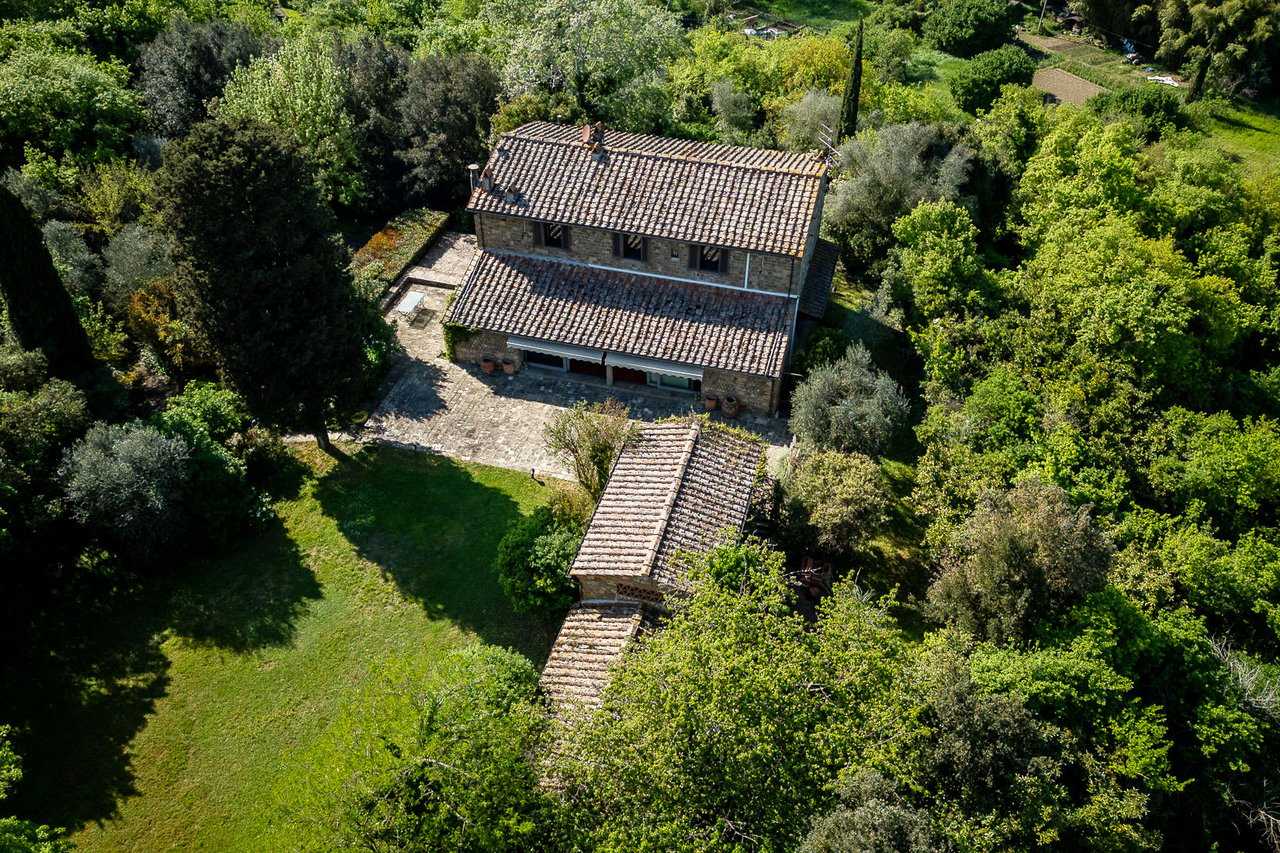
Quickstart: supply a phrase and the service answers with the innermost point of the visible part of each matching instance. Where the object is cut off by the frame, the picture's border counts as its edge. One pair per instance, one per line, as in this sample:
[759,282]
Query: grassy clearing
[1251,133]
[381,562]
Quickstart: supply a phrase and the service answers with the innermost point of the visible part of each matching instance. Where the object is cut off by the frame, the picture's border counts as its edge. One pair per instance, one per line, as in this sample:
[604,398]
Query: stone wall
[666,258]
[758,394]
[613,588]
[480,344]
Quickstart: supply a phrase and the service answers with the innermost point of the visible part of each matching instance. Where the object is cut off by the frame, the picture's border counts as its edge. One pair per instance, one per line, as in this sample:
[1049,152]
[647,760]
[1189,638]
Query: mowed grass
[382,561]
[1250,132]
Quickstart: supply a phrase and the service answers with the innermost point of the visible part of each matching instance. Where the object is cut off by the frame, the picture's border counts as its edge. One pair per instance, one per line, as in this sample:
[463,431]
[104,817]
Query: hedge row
[393,249]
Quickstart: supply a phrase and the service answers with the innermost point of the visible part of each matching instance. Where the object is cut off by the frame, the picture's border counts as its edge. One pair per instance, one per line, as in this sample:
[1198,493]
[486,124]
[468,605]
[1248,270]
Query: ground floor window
[541,359]
[683,383]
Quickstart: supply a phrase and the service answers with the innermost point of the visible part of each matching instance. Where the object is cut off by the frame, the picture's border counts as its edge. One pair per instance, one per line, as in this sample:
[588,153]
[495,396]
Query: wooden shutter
[724,261]
[617,245]
[644,249]
[693,257]
[537,235]
[564,237]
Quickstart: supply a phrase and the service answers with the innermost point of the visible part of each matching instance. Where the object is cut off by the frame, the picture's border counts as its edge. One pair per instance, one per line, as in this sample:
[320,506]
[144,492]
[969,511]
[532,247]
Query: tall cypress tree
[261,272]
[39,308]
[852,92]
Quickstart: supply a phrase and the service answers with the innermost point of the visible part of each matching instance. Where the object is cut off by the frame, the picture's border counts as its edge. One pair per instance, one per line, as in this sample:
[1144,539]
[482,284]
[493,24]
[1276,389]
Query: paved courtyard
[434,405]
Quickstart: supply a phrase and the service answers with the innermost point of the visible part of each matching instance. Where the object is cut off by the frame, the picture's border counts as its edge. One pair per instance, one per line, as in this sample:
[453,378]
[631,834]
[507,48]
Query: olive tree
[848,405]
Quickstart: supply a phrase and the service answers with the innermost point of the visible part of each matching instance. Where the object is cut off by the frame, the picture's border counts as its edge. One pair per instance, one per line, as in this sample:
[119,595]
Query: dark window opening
[708,259]
[632,247]
[554,236]
[541,359]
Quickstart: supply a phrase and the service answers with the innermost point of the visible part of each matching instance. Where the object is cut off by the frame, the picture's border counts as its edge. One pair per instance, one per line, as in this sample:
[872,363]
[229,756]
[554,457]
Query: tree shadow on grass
[433,528]
[92,672]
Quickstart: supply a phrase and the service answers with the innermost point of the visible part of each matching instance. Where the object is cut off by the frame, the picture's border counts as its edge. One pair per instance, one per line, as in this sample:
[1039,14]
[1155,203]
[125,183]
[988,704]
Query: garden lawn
[382,562]
[1249,131]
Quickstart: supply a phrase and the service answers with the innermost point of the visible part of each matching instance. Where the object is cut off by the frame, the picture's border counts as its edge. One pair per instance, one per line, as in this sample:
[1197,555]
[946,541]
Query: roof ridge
[686,453]
[682,158]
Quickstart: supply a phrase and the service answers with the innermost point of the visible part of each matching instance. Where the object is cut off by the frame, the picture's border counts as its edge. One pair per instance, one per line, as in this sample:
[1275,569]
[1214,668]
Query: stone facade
[619,588]
[480,344]
[771,273]
[758,394]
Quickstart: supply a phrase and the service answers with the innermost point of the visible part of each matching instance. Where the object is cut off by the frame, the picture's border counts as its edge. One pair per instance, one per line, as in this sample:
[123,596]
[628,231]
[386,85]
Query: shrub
[1149,108]
[977,85]
[535,556]
[848,405]
[840,498]
[589,439]
[825,346]
[128,483]
[968,27]
[387,254]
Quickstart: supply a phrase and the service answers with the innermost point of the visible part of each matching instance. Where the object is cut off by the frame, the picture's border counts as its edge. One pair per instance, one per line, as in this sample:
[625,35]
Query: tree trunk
[322,440]
[1202,71]
[852,94]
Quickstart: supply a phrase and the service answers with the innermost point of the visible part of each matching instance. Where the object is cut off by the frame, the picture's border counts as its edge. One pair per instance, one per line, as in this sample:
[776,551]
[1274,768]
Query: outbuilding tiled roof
[644,316]
[816,291]
[670,189]
[591,640]
[675,489]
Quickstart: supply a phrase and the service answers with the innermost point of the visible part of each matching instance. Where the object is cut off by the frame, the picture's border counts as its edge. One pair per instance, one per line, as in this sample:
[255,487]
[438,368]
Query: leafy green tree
[38,308]
[884,178]
[721,730]
[969,27]
[848,405]
[587,49]
[840,497]
[872,817]
[262,275]
[461,776]
[1228,42]
[937,256]
[301,92]
[588,439]
[62,103]
[135,256]
[444,124]
[1022,557]
[977,85]
[891,56]
[187,65]
[22,836]
[128,483]
[375,73]
[852,94]
[805,119]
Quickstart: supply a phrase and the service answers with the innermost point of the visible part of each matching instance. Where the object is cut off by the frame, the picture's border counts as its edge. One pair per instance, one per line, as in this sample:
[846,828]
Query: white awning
[563,350]
[649,365]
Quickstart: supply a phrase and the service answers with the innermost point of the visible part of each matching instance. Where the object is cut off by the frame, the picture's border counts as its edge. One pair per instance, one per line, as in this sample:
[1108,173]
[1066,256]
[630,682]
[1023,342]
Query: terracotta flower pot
[730,407]
[488,365]
[508,366]
[710,403]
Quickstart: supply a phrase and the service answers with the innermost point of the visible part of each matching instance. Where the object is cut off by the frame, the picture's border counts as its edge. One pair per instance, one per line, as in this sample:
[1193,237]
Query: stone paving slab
[437,406]
[445,263]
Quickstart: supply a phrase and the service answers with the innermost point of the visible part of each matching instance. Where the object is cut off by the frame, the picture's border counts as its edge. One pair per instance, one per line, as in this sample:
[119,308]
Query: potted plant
[710,401]
[508,365]
[488,365]
[730,406]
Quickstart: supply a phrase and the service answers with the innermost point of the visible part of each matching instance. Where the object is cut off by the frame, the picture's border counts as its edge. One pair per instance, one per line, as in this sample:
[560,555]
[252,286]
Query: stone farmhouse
[640,259]
[679,489]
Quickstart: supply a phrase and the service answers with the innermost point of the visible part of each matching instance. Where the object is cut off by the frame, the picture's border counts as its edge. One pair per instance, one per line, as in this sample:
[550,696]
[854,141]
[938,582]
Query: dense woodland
[1039,432]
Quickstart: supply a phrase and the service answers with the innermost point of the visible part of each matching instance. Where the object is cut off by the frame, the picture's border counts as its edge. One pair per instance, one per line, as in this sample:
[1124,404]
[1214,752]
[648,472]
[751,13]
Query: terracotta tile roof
[591,640]
[670,189]
[674,490]
[817,284]
[645,316]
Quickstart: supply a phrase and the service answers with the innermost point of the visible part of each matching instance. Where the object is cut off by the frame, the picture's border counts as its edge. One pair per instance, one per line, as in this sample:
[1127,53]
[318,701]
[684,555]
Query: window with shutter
[708,259]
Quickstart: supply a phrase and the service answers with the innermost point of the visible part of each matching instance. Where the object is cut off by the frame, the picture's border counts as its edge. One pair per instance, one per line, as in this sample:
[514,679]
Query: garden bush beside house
[391,251]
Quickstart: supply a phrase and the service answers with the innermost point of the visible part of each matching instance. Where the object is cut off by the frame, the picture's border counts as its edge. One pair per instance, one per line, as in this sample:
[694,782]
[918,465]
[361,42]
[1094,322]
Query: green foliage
[128,483]
[891,56]
[22,836]
[534,559]
[1227,44]
[1021,557]
[976,86]
[872,817]
[749,566]
[968,27]
[188,64]
[848,405]
[588,439]
[1153,109]
[840,498]
[937,256]
[725,725]
[62,103]
[300,91]
[308,364]
[462,777]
